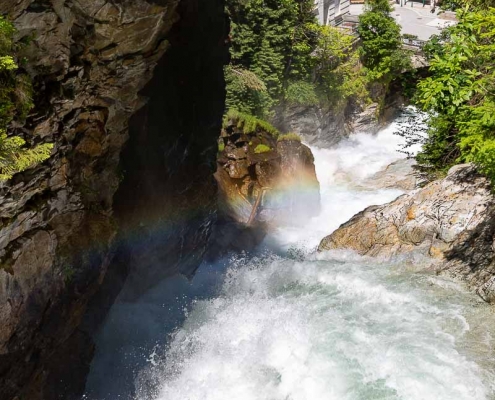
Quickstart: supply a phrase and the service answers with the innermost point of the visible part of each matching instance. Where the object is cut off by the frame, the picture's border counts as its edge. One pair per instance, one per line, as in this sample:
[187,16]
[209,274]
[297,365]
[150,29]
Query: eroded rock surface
[88,60]
[449,220]
[398,175]
[321,126]
[278,185]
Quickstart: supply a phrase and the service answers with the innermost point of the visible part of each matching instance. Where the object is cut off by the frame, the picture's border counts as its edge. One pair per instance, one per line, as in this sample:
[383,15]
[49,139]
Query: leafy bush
[459,96]
[246,91]
[381,42]
[262,148]
[290,136]
[273,39]
[471,5]
[248,123]
[339,75]
[15,158]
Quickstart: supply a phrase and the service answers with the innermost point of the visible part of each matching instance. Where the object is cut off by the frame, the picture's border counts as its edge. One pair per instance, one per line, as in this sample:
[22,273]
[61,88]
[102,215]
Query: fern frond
[14,158]
[247,78]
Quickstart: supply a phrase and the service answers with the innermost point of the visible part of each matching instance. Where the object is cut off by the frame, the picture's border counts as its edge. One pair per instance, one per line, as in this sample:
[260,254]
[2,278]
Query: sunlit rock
[449,220]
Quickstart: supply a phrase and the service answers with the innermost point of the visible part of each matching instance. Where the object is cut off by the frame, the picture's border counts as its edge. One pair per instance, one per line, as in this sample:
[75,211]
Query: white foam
[317,330]
[324,326]
[340,171]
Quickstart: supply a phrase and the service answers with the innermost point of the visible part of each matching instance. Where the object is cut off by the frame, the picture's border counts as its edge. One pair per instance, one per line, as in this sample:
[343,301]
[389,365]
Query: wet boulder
[264,176]
[449,221]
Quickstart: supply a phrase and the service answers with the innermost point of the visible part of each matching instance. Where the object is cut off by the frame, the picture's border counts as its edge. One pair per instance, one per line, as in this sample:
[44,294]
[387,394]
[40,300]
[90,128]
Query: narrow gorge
[234,206]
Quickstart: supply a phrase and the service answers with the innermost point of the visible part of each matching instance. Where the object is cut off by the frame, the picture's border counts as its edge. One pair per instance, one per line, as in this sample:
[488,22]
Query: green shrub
[381,42]
[246,91]
[301,93]
[459,96]
[15,104]
[290,136]
[15,158]
[339,73]
[273,40]
[221,146]
[262,148]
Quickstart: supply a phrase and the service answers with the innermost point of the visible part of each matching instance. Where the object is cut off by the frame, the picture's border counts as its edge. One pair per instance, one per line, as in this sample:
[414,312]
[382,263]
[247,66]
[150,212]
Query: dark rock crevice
[166,203]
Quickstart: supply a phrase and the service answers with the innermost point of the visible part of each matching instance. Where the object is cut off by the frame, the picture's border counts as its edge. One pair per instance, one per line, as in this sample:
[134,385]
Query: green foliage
[273,39]
[459,95]
[246,78]
[290,136]
[7,31]
[15,158]
[221,146]
[281,55]
[7,76]
[262,148]
[472,5]
[434,46]
[301,93]
[378,6]
[248,123]
[338,70]
[15,103]
[381,49]
[246,91]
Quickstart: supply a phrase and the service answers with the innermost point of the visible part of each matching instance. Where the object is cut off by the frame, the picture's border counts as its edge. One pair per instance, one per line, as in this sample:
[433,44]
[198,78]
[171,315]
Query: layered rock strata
[450,221]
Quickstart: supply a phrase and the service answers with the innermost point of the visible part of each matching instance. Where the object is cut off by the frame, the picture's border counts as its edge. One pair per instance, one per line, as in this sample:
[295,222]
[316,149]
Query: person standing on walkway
[433,4]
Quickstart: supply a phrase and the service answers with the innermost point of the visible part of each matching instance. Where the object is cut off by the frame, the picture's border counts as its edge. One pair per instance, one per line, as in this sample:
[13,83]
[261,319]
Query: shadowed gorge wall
[89,60]
[166,204]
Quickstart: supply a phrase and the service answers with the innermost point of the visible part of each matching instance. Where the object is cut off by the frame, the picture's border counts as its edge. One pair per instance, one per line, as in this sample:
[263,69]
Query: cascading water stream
[291,324]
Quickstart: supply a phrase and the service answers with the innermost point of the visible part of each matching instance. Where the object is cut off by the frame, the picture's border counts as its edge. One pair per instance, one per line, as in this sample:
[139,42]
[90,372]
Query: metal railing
[413,42]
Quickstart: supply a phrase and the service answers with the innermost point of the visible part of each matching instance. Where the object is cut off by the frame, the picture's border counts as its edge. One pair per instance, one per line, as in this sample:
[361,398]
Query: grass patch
[262,148]
[290,136]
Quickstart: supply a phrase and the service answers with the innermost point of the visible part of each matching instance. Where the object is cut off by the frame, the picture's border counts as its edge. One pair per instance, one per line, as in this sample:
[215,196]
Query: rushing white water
[305,326]
[340,171]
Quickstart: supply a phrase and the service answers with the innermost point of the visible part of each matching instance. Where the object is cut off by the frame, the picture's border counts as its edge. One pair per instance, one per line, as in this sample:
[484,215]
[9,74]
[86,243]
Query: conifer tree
[273,39]
[381,42]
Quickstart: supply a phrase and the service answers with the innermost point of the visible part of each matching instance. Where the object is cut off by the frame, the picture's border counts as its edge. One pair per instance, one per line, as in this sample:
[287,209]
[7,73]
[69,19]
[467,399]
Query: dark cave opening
[166,204]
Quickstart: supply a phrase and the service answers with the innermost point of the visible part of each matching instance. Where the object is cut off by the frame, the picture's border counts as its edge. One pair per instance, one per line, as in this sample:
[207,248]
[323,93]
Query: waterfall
[292,324]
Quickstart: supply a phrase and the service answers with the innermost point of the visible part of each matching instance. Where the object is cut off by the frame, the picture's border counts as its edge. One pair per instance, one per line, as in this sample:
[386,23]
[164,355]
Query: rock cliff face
[326,125]
[89,59]
[317,125]
[398,175]
[450,221]
[265,180]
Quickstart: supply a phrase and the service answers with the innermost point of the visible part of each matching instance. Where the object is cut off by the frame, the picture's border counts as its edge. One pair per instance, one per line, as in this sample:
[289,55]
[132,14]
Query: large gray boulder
[450,221]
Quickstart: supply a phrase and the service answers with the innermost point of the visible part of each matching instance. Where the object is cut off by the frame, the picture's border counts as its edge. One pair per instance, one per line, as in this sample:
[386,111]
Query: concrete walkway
[415,20]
